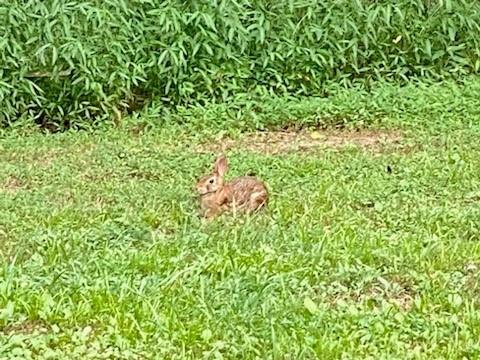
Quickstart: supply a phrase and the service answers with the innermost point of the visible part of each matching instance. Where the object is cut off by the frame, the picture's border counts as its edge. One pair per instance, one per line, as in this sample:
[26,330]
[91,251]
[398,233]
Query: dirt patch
[44,159]
[396,291]
[275,142]
[12,184]
[471,281]
[26,327]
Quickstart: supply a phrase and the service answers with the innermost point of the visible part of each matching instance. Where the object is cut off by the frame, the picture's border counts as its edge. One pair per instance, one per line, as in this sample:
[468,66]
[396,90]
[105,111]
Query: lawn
[369,246]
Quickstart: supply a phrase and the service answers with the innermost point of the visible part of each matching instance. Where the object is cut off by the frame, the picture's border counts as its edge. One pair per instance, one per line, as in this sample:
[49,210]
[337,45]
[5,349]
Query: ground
[369,246]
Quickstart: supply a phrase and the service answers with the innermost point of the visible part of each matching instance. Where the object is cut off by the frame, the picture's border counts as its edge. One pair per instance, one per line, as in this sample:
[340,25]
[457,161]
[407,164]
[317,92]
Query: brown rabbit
[244,193]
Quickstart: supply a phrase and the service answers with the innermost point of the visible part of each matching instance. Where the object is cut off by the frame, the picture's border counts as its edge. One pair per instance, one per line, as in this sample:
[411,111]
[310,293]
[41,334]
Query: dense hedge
[64,61]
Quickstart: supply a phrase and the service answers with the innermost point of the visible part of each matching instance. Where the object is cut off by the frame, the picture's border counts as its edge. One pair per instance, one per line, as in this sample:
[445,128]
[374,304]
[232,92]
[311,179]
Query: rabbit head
[213,182]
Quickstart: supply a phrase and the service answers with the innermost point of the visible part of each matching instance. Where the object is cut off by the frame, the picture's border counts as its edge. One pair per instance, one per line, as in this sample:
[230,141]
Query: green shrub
[68,62]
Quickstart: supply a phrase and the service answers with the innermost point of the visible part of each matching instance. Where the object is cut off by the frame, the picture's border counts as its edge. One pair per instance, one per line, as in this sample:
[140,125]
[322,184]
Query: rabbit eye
[211,181]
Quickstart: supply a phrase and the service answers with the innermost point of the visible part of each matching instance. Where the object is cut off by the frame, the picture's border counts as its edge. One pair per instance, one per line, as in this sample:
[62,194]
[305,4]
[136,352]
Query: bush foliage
[69,61]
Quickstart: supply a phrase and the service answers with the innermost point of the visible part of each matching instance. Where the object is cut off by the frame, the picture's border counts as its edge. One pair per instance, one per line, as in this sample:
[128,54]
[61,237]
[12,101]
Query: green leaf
[310,305]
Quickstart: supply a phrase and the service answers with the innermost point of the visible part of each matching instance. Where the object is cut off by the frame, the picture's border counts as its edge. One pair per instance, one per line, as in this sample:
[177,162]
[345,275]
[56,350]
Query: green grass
[103,255]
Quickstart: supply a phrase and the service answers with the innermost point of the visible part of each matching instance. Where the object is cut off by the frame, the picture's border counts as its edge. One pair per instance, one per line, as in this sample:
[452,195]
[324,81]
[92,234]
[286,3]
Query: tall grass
[64,62]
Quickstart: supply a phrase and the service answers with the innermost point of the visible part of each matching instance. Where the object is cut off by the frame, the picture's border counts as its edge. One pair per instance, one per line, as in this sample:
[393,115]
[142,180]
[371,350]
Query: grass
[76,63]
[363,252]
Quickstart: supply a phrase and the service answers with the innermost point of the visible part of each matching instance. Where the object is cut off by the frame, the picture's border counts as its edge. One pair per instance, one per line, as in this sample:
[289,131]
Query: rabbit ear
[221,166]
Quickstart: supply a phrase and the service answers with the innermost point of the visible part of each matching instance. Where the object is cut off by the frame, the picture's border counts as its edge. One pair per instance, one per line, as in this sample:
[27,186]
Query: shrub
[68,62]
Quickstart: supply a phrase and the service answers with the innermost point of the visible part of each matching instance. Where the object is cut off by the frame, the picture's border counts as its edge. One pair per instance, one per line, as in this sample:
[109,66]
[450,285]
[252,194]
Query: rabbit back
[247,193]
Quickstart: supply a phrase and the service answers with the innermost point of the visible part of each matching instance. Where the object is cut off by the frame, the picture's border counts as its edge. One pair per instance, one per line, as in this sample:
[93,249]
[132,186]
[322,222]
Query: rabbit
[244,193]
